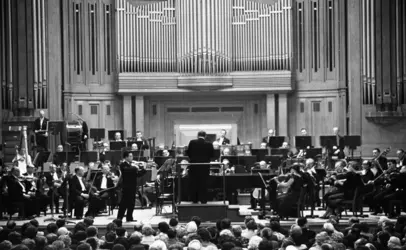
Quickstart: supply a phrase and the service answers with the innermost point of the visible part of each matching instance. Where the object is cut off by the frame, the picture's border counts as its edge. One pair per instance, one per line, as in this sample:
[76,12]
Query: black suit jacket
[98,181]
[383,162]
[200,151]
[37,124]
[15,190]
[129,175]
[226,141]
[75,188]
[85,131]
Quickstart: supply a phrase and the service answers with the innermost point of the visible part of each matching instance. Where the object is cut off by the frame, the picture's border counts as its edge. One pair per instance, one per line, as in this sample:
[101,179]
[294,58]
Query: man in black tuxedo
[139,138]
[382,160]
[223,140]
[267,139]
[78,193]
[199,151]
[104,185]
[129,174]
[41,135]
[19,195]
[85,134]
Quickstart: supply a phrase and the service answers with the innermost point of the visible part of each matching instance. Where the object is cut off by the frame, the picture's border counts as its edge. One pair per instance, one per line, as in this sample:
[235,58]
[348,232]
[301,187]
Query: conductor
[199,151]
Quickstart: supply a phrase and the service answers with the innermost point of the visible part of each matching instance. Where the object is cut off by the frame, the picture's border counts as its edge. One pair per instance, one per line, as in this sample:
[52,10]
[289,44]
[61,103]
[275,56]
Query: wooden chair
[355,204]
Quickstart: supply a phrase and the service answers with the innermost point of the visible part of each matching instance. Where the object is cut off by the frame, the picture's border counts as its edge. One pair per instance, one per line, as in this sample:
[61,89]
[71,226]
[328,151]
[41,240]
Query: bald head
[41,113]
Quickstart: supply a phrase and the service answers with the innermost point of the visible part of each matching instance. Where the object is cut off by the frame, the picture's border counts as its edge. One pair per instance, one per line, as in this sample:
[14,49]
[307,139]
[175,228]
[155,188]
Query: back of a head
[30,232]
[40,241]
[84,246]
[163,227]
[197,220]
[15,238]
[158,245]
[201,134]
[225,223]
[93,243]
[91,231]
[110,236]
[118,247]
[52,228]
[118,222]
[176,246]
[88,221]
[173,222]
[265,245]
[30,243]
[302,221]
[120,232]
[60,223]
[171,233]
[11,224]
[21,247]
[227,245]
[252,225]
[59,245]
[5,245]
[327,246]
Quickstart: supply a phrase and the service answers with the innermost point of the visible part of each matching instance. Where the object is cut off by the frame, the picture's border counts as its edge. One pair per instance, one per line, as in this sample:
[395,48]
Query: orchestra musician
[216,145]
[56,157]
[41,135]
[199,151]
[22,159]
[346,185]
[339,149]
[267,139]
[85,134]
[394,189]
[303,132]
[134,147]
[383,162]
[102,155]
[103,184]
[223,140]
[401,157]
[139,138]
[117,136]
[317,177]
[225,152]
[33,187]
[19,195]
[54,182]
[129,173]
[285,202]
[78,193]
[263,145]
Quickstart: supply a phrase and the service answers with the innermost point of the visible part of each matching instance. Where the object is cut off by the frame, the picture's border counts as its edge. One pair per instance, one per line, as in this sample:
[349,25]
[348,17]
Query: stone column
[270,112]
[354,66]
[139,113]
[283,115]
[127,116]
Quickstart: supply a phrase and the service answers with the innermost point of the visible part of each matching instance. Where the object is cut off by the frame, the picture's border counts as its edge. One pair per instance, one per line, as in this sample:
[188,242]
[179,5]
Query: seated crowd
[386,235]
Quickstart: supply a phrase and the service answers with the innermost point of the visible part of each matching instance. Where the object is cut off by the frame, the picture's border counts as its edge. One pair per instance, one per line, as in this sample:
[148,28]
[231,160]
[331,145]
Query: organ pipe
[204,36]
[3,56]
[10,61]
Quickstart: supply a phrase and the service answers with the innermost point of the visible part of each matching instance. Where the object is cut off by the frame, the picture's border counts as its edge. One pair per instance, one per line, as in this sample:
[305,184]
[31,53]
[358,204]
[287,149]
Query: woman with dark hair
[285,202]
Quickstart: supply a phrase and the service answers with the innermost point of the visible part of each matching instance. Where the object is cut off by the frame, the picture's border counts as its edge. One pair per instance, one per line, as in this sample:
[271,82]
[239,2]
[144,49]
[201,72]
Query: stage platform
[148,216]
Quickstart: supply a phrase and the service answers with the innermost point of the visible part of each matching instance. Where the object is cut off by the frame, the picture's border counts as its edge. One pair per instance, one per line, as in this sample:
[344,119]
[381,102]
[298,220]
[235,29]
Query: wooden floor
[148,216]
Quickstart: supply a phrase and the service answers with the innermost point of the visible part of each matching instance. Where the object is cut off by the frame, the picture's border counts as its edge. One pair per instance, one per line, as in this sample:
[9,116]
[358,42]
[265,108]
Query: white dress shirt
[104,182]
[81,184]
[221,141]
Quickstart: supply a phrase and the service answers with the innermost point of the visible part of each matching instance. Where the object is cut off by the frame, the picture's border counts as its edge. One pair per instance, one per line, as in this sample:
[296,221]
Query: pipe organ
[384,53]
[205,37]
[23,54]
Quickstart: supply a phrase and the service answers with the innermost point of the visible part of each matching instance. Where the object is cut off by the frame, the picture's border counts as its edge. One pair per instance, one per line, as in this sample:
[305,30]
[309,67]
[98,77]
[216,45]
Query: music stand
[275,161]
[276,141]
[302,142]
[66,156]
[259,153]
[352,142]
[97,134]
[313,152]
[55,127]
[41,157]
[262,171]
[114,156]
[117,145]
[280,152]
[89,156]
[328,141]
[112,133]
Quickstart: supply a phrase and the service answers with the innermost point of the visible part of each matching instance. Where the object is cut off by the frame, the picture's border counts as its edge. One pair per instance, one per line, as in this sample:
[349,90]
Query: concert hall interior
[93,88]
